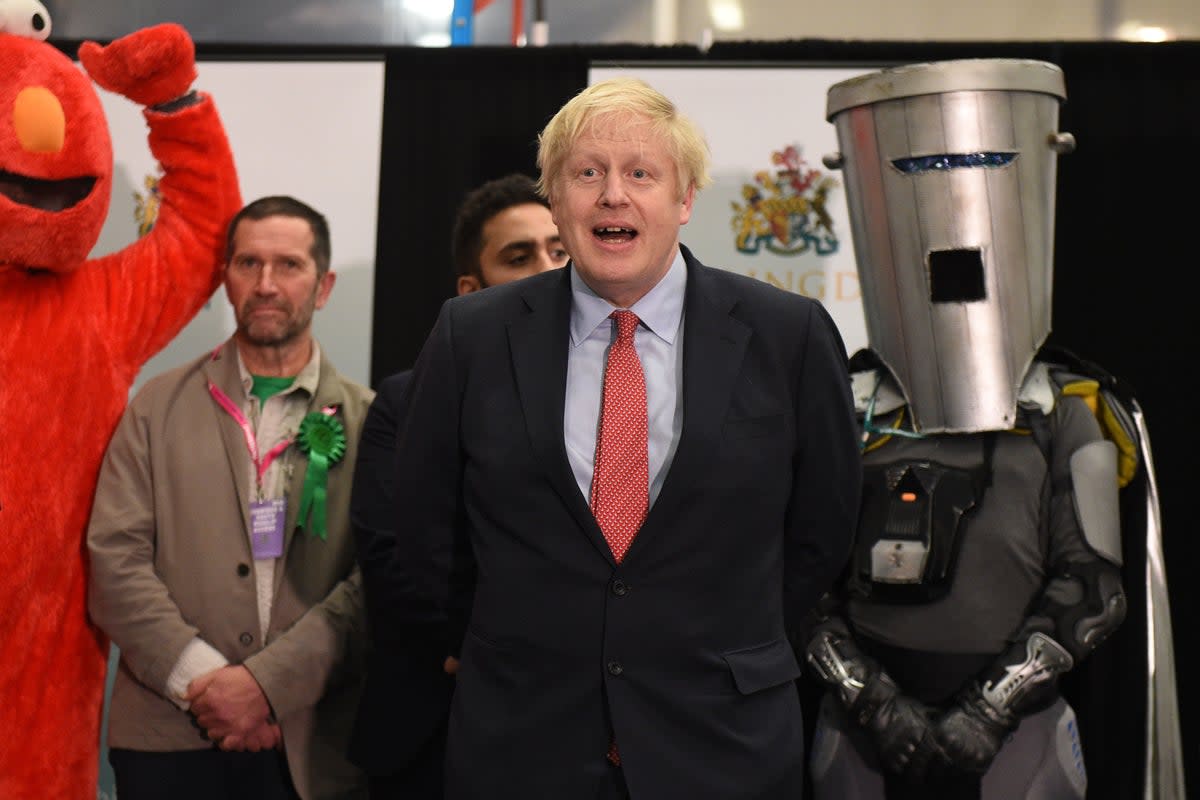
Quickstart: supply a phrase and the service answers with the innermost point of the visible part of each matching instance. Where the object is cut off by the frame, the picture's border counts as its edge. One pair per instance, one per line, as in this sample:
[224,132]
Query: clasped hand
[904,734]
[231,708]
[919,742]
[971,731]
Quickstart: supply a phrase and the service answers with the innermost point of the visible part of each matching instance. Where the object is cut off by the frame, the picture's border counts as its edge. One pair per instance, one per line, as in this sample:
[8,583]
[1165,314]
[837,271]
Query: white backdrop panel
[311,129]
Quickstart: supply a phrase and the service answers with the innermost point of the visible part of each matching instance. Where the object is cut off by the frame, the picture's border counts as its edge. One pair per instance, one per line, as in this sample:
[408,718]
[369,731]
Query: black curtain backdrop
[455,118]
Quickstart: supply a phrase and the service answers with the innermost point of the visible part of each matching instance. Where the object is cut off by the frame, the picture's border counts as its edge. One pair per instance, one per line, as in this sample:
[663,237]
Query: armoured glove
[901,727]
[972,731]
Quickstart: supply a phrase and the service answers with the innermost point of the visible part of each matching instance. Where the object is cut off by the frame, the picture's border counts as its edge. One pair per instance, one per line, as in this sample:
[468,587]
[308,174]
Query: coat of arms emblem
[785,209]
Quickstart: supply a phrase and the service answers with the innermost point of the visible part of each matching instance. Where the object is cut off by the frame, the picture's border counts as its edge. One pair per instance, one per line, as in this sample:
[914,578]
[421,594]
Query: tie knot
[627,323]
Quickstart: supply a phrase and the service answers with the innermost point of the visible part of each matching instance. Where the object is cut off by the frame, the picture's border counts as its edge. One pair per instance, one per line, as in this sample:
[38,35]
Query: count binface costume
[73,334]
[988,561]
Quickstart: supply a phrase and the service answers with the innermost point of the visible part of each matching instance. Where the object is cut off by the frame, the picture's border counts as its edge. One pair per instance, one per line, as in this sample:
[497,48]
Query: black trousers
[201,775]
[422,778]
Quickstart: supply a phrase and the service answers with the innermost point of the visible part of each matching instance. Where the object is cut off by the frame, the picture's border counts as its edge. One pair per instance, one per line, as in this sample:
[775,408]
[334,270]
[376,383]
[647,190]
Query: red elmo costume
[73,335]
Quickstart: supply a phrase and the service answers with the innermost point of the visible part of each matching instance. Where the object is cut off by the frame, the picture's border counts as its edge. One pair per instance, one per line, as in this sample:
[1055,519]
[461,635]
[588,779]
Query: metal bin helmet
[949,173]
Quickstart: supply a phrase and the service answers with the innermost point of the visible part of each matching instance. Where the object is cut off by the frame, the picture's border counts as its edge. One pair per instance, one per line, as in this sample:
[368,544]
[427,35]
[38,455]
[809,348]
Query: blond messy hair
[613,101]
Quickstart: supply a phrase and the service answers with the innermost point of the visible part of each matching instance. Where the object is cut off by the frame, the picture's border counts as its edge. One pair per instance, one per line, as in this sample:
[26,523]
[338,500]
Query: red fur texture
[149,67]
[73,335]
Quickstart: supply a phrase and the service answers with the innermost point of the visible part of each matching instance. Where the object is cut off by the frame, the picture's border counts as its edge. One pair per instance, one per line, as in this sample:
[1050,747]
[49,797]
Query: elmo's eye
[28,18]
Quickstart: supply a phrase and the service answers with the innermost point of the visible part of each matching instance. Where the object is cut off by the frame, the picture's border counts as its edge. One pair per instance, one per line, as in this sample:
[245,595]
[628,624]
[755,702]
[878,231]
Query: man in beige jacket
[222,563]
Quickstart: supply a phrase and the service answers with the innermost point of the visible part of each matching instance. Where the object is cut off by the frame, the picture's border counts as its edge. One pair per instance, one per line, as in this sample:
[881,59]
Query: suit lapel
[538,339]
[714,345]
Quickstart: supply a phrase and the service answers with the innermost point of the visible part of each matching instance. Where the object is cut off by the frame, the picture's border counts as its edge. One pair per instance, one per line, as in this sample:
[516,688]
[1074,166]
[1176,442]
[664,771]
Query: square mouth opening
[956,276]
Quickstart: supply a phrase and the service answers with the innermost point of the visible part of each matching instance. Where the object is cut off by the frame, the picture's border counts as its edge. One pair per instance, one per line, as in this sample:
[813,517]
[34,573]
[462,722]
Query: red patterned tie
[621,482]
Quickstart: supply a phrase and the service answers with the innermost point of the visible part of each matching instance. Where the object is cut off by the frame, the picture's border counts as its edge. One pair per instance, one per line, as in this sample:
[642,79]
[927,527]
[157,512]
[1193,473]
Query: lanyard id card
[266,528]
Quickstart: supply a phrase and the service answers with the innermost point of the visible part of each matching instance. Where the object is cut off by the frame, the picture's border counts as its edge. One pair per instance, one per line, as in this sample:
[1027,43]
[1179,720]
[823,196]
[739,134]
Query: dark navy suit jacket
[406,696]
[681,651]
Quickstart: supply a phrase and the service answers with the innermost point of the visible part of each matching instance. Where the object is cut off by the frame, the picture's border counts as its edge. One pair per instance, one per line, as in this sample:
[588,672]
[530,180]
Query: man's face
[619,208]
[271,280]
[517,242]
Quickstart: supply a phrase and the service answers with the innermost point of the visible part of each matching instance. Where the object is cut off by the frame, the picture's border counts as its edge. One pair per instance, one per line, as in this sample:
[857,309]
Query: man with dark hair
[503,232]
[220,549]
[285,206]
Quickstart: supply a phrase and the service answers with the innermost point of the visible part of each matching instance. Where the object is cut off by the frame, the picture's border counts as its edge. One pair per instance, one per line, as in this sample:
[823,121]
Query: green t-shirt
[265,386]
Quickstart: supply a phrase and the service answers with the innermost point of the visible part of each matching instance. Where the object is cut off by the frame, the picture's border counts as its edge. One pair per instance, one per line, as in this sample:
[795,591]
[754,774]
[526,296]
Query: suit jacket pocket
[753,427]
[762,666]
[488,641]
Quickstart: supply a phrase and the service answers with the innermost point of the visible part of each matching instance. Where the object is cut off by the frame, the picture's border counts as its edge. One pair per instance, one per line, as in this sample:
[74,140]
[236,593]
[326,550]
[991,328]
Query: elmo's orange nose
[39,121]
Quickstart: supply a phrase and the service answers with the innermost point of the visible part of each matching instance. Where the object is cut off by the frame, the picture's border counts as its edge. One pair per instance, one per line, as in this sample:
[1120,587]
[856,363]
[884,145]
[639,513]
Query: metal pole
[539,31]
[666,21]
[462,22]
[1108,18]
[518,22]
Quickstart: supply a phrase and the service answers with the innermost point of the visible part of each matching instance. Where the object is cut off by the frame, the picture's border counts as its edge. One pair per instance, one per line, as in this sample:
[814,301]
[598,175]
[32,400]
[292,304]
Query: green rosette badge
[323,439]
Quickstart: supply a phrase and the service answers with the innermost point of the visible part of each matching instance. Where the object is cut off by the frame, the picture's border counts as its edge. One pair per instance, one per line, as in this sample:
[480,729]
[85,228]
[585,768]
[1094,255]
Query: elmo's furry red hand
[151,66]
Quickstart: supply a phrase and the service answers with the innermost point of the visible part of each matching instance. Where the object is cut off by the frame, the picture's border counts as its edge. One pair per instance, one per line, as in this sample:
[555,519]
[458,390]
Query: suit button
[620,588]
[615,668]
[246,639]
[243,570]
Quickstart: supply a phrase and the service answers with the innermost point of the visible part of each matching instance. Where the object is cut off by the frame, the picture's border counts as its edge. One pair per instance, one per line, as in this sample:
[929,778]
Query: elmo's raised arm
[156,285]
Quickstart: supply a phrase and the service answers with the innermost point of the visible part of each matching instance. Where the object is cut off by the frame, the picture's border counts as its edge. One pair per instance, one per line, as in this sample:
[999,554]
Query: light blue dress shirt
[659,344]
